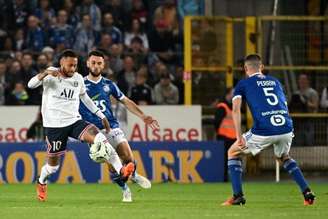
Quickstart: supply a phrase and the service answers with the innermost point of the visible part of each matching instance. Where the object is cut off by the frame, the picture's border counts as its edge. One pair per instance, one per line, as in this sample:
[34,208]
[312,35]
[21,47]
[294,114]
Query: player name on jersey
[266,83]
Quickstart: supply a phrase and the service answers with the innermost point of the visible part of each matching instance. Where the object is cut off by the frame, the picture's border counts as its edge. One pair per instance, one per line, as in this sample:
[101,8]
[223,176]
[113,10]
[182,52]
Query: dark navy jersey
[267,102]
[100,92]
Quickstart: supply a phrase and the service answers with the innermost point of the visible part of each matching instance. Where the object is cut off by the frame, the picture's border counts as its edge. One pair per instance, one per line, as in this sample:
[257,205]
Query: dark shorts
[56,138]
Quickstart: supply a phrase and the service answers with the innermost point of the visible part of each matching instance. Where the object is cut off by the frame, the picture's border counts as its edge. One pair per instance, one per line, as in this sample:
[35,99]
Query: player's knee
[230,152]
[52,169]
[90,135]
[127,158]
[233,152]
[93,131]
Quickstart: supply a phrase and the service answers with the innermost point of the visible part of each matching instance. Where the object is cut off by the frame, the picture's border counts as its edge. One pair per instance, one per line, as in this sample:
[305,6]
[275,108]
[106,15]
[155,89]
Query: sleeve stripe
[119,92]
[235,97]
[122,97]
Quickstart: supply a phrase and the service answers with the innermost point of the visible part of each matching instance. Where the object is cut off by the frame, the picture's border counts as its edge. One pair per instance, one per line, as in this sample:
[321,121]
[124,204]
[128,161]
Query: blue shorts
[56,138]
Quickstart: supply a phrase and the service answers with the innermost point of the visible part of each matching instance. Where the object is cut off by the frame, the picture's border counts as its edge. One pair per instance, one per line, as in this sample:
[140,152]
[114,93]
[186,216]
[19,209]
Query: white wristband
[100,115]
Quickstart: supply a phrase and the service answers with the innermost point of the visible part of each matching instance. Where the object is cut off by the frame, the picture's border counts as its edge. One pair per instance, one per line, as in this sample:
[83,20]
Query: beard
[94,73]
[66,73]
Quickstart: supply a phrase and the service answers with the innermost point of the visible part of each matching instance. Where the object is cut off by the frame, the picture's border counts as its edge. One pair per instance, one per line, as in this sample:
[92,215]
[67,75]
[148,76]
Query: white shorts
[256,143]
[115,137]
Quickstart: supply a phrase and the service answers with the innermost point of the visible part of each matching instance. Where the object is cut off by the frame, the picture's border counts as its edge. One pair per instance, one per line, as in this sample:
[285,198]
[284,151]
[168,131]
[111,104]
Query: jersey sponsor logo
[274,112]
[67,93]
[95,97]
[277,120]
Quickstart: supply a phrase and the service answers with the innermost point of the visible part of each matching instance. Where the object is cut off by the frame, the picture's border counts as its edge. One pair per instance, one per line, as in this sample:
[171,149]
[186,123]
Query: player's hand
[151,122]
[106,124]
[241,142]
[53,73]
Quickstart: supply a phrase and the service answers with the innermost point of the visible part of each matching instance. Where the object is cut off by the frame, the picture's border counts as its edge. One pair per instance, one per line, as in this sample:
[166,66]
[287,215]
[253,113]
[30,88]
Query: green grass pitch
[264,200]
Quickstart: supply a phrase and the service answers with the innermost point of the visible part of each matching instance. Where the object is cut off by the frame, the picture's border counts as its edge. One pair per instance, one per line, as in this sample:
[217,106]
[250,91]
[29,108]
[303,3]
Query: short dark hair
[96,53]
[67,53]
[253,60]
[253,57]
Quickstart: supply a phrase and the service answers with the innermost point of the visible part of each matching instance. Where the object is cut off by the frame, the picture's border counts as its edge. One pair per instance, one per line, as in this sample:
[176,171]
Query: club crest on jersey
[75,83]
[106,88]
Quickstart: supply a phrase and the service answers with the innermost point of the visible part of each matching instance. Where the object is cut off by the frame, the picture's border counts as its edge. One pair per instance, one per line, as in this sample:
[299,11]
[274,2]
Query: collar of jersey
[95,82]
[256,73]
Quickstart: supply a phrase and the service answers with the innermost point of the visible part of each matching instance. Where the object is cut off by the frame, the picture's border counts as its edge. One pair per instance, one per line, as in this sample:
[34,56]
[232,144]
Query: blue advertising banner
[183,162]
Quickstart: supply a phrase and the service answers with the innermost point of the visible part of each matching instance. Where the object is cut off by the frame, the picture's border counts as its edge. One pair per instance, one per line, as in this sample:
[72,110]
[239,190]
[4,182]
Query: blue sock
[291,167]
[118,180]
[235,171]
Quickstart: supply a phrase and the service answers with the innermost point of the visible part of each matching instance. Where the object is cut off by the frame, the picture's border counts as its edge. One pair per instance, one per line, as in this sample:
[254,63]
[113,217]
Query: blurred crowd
[141,40]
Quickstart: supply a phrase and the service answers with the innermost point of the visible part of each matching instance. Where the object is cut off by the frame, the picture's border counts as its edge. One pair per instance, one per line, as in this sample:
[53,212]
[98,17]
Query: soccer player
[272,126]
[100,89]
[62,90]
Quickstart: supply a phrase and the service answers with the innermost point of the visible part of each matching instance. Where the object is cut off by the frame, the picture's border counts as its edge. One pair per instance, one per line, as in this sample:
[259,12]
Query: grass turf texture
[264,200]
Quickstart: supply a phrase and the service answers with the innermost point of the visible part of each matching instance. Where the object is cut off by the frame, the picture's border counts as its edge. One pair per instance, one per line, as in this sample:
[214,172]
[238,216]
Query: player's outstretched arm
[94,109]
[133,108]
[36,81]
[236,116]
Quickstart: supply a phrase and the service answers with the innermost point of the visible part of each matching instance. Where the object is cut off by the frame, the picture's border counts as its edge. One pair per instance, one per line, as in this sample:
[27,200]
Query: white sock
[134,175]
[46,171]
[113,156]
[115,160]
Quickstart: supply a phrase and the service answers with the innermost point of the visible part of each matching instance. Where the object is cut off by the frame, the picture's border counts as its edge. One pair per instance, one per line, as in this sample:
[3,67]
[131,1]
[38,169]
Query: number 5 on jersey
[272,97]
